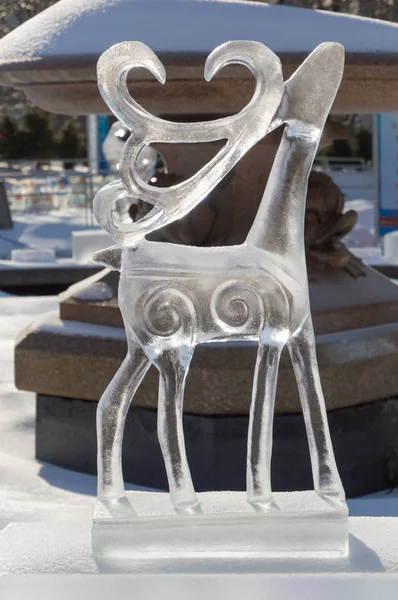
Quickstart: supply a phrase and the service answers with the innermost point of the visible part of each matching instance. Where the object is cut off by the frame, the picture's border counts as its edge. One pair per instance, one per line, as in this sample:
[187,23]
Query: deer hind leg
[111,415]
[259,450]
[173,365]
[324,469]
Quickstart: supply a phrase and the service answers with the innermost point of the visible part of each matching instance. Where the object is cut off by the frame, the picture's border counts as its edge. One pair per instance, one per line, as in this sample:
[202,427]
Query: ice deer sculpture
[173,297]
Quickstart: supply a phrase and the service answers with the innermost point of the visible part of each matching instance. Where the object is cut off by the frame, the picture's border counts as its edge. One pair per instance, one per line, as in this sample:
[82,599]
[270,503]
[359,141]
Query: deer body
[174,297]
[212,292]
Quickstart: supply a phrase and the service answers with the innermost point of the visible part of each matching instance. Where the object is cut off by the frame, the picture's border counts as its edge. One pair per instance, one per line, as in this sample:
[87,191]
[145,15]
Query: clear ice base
[306,525]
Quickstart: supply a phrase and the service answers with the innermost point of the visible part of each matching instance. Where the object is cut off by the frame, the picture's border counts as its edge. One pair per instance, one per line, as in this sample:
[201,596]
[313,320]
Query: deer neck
[279,223]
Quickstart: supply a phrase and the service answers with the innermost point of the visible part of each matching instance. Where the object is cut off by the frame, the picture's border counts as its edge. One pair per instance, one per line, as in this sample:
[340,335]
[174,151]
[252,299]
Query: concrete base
[364,439]
[53,560]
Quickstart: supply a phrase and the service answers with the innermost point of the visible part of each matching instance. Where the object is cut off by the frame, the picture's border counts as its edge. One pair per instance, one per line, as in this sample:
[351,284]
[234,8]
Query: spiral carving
[236,304]
[168,311]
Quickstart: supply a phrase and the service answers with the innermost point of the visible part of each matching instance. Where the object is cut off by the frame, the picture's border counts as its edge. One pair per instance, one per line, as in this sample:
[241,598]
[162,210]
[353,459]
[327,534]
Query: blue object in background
[103,128]
[387,151]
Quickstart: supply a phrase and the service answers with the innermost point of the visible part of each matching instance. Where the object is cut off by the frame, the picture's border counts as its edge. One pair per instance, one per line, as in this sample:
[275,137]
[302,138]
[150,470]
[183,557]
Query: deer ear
[322,71]
[110,257]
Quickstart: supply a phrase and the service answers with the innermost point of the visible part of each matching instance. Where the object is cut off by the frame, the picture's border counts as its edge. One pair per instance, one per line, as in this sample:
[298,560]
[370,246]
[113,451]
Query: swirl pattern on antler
[241,131]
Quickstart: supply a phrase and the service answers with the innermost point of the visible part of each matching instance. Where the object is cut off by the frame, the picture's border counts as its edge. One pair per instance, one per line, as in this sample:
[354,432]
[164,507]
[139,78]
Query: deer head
[241,131]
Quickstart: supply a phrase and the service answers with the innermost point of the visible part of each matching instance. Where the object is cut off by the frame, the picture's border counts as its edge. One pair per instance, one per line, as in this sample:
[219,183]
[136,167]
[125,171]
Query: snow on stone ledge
[88,27]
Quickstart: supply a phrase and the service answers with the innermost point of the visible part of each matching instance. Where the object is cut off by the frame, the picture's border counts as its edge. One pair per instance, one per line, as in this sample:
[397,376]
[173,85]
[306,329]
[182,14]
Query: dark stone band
[364,439]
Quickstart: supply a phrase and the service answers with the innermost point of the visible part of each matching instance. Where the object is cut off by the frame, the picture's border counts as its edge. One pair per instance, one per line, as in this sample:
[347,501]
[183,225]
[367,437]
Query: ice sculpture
[174,297]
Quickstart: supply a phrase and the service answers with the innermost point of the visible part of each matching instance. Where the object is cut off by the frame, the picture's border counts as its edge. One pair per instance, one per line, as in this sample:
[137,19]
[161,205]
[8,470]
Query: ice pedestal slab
[302,524]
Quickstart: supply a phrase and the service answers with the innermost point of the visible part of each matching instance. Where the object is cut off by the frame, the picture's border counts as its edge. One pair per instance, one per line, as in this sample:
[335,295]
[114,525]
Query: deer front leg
[324,469]
[111,415]
[259,450]
[173,365]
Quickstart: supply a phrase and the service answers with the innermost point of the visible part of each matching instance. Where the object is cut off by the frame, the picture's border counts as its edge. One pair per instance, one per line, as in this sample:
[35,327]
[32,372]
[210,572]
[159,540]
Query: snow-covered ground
[31,490]
[44,231]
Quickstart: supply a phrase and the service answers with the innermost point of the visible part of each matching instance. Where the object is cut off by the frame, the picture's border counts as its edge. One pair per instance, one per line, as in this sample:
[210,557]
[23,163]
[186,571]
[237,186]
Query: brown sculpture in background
[325,225]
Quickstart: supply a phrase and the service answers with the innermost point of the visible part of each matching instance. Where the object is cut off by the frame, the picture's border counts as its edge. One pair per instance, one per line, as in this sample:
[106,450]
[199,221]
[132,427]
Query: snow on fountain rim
[78,28]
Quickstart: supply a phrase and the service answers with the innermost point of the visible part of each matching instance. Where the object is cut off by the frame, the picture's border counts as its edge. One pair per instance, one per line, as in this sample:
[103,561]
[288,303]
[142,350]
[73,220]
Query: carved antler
[241,131]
